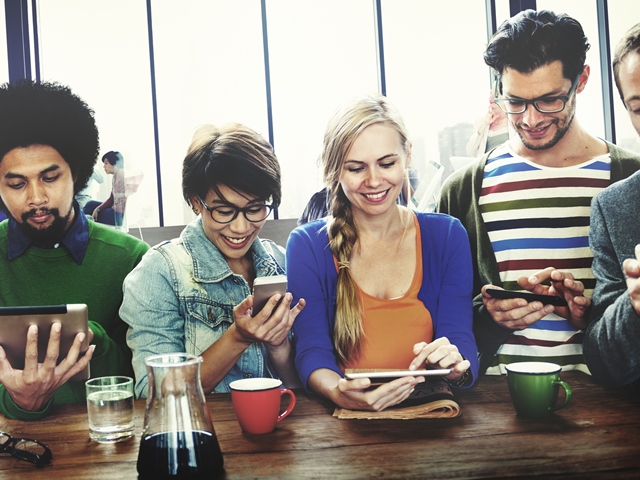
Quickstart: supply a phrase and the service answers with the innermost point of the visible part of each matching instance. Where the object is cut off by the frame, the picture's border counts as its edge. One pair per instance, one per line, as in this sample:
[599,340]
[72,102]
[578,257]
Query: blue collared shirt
[76,239]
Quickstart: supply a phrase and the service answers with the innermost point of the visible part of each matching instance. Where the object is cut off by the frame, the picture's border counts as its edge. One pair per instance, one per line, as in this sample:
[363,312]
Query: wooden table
[596,436]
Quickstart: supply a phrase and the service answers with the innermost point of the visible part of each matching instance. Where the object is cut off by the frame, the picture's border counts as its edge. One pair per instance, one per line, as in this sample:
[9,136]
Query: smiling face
[36,186]
[540,131]
[232,239]
[629,79]
[374,170]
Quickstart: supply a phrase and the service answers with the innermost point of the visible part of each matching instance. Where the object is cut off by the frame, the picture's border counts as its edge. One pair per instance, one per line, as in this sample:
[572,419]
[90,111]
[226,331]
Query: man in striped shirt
[526,203]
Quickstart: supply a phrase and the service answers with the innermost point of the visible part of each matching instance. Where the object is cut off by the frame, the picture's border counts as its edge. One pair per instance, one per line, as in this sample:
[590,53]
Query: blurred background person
[489,131]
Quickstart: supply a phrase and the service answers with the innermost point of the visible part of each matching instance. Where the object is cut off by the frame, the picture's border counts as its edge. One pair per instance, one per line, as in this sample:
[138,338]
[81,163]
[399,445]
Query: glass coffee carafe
[178,439]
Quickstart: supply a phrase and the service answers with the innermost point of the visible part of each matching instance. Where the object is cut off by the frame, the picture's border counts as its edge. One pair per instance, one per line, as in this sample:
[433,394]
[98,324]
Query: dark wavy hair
[47,113]
[234,156]
[534,38]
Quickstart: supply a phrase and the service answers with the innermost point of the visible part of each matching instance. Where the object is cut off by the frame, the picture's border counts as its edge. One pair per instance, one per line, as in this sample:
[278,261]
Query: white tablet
[391,374]
[15,322]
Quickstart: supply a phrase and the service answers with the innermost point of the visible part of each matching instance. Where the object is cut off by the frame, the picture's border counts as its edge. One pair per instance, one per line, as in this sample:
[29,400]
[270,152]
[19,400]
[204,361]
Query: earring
[195,210]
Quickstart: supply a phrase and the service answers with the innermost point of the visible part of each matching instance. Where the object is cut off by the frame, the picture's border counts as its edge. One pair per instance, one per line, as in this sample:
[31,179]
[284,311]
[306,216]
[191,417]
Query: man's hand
[34,386]
[514,313]
[631,269]
[565,286]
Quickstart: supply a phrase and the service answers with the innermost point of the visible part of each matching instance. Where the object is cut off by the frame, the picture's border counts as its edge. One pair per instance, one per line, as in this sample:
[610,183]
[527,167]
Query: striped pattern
[538,217]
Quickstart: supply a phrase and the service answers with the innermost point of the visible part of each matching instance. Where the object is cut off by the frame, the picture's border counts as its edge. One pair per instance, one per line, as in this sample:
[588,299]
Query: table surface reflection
[596,436]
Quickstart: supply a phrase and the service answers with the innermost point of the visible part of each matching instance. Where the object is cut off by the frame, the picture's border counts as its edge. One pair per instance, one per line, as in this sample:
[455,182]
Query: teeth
[374,196]
[237,241]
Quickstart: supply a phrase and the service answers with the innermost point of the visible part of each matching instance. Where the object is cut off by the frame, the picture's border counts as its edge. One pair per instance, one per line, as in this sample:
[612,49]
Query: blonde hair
[343,129]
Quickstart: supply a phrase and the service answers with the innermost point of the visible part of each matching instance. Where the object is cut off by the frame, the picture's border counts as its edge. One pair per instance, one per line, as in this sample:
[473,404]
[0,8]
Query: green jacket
[52,277]
[459,197]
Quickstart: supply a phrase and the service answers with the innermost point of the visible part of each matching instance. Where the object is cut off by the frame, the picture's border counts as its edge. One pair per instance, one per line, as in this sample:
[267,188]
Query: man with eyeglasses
[612,340]
[526,203]
[50,254]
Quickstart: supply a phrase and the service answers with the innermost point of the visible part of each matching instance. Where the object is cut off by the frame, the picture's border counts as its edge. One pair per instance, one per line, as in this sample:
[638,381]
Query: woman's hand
[271,325]
[356,394]
[440,354]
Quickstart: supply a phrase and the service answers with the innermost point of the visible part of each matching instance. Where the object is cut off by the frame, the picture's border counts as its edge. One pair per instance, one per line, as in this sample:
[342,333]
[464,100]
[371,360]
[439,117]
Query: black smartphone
[528,296]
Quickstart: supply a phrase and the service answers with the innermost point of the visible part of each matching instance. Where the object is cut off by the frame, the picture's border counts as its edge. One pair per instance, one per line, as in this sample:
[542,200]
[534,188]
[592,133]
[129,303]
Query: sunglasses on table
[31,451]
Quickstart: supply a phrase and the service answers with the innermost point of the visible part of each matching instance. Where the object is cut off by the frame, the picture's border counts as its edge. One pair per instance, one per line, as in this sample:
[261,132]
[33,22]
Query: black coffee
[180,455]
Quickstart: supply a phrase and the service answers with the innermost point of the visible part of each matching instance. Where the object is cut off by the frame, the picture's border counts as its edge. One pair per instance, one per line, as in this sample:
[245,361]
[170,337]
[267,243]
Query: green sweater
[52,277]
[459,197]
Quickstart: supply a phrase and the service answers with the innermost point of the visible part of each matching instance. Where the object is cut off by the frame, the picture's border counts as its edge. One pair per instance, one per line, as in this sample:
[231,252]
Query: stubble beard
[560,132]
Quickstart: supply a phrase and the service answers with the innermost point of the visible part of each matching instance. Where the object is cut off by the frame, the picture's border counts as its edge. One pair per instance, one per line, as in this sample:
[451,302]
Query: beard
[49,234]
[561,130]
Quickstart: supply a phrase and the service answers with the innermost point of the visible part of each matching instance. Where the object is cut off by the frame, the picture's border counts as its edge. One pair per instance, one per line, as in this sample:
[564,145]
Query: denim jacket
[180,298]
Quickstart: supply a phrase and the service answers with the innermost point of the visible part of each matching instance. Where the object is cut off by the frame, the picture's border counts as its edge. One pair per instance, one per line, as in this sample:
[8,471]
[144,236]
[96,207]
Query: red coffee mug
[256,402]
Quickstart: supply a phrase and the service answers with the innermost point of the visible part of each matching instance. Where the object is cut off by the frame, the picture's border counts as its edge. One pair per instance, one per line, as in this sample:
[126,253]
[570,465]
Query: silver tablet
[15,321]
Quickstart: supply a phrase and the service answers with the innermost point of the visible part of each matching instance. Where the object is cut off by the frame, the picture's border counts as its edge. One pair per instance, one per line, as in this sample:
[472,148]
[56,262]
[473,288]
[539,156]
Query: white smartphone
[638,252]
[265,287]
[387,376]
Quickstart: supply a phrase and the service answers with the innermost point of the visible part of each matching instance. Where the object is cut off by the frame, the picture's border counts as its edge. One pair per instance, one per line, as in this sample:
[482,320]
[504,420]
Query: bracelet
[463,380]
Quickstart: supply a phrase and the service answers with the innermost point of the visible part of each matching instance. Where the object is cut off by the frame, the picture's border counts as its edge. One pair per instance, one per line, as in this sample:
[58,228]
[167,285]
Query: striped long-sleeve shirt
[538,217]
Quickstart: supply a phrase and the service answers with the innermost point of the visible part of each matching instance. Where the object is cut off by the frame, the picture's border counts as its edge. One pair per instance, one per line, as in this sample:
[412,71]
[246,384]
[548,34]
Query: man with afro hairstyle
[50,254]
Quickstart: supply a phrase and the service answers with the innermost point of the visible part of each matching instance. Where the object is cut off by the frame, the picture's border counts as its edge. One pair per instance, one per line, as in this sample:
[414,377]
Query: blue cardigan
[446,289]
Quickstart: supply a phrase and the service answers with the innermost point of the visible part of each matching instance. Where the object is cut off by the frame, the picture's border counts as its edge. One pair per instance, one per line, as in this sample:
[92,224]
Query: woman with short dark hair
[192,294]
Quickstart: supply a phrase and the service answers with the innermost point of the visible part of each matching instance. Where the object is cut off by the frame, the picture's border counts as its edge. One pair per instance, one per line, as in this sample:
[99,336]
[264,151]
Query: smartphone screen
[528,296]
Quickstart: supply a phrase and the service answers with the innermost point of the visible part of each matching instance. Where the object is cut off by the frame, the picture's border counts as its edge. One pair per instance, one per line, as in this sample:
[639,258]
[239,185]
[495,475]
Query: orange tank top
[393,326]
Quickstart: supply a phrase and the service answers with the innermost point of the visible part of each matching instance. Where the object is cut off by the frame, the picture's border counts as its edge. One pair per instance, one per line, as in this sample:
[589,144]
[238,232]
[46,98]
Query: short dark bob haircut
[47,113]
[234,156]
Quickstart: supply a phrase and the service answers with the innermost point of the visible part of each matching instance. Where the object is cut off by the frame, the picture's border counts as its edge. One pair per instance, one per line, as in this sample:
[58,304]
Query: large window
[209,70]
[322,54]
[100,49]
[209,60]
[436,76]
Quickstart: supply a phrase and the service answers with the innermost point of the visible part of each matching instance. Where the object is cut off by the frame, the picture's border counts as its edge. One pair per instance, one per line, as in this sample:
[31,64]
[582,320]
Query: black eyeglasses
[25,449]
[228,213]
[543,105]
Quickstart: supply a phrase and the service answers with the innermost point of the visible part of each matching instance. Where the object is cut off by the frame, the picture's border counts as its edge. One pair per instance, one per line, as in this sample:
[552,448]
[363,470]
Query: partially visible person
[193,294]
[489,131]
[83,197]
[385,287]
[612,340]
[49,253]
[114,206]
[526,204]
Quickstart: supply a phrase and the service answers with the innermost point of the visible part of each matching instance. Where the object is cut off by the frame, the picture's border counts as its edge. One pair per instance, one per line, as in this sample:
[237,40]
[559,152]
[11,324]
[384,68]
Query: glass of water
[110,408]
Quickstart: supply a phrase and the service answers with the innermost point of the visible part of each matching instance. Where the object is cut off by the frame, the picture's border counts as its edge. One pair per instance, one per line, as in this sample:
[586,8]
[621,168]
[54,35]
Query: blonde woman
[385,287]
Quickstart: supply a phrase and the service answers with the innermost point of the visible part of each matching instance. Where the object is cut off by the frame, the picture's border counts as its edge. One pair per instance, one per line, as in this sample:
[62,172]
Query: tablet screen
[15,322]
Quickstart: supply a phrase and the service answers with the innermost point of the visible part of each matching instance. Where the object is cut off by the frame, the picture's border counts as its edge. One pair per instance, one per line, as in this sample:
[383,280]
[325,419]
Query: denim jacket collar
[209,264]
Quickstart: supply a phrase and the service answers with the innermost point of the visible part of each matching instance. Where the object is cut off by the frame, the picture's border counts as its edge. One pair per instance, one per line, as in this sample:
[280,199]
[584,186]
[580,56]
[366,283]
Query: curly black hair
[47,113]
[532,39]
